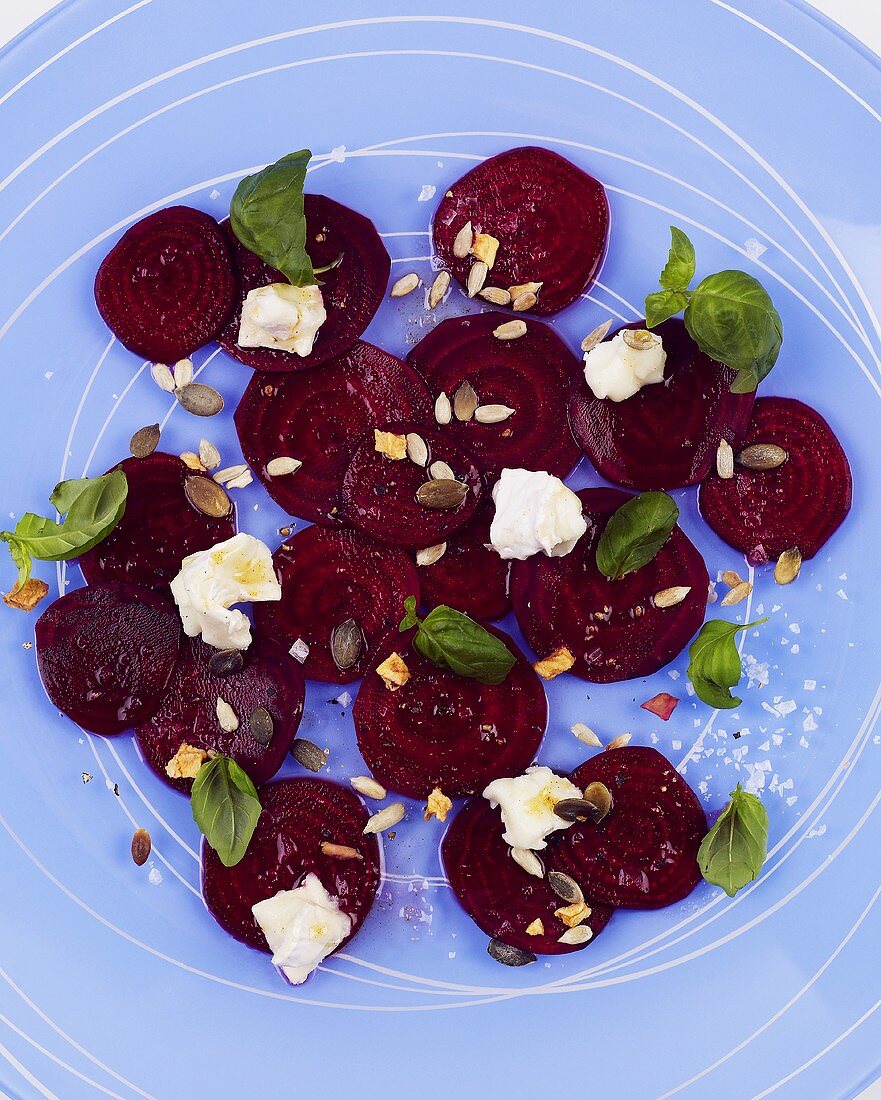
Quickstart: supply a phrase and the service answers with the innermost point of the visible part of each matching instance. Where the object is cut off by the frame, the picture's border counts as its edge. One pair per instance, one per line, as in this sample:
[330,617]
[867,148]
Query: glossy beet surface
[318,417]
[352,291]
[643,854]
[667,435]
[271,678]
[498,895]
[328,577]
[448,731]
[469,576]
[167,286]
[379,493]
[105,654]
[158,529]
[551,219]
[801,503]
[532,375]
[611,628]
[298,814]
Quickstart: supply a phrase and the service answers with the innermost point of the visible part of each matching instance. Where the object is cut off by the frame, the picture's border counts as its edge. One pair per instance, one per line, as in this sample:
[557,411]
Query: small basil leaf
[22,560]
[679,269]
[410,619]
[454,641]
[635,533]
[714,665]
[664,304]
[733,852]
[266,214]
[225,807]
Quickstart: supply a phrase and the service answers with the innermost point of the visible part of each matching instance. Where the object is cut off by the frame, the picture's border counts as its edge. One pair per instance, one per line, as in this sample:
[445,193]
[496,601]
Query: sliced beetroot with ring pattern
[298,814]
[167,286]
[550,217]
[801,503]
[270,678]
[379,493]
[328,577]
[470,576]
[498,895]
[666,435]
[159,527]
[643,854]
[352,292]
[612,628]
[532,375]
[318,417]
[105,654]
[445,730]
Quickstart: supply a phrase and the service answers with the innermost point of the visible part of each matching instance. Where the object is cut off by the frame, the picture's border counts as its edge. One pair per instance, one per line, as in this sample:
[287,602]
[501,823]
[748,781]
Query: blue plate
[755,128]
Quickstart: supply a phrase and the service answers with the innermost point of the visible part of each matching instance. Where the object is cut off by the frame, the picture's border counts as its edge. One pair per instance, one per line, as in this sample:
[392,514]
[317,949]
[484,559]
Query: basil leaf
[664,304]
[266,214]
[452,640]
[731,318]
[22,560]
[714,663]
[410,619]
[679,269]
[733,852]
[635,533]
[226,808]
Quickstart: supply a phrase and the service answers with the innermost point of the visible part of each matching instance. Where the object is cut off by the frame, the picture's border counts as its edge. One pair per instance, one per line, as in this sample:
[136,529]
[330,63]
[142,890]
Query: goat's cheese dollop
[302,927]
[283,317]
[535,512]
[527,804]
[616,369]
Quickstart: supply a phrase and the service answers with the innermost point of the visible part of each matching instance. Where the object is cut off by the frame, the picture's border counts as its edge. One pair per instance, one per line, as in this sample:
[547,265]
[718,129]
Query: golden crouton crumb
[484,247]
[561,660]
[391,445]
[438,805]
[572,915]
[186,762]
[536,928]
[393,672]
[25,597]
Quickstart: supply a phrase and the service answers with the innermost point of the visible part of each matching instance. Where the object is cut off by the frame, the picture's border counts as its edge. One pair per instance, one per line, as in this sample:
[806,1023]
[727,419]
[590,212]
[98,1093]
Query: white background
[861,17]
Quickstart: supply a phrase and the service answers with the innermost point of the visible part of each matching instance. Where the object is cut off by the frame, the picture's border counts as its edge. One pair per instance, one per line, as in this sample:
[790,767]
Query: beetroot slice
[318,417]
[666,436]
[532,375]
[158,529]
[444,730]
[328,577]
[270,678]
[379,493]
[352,292]
[551,219]
[167,286]
[801,503]
[469,576]
[643,854]
[611,628]
[105,654]
[498,895]
[298,814]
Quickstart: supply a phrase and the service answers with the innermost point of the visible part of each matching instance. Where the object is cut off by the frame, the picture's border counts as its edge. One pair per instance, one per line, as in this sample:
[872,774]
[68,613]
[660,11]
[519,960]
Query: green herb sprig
[225,807]
[733,852]
[635,533]
[714,665]
[452,640]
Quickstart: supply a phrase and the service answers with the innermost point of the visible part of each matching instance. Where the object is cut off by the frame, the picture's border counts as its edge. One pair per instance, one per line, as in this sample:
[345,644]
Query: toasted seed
[261,725]
[368,786]
[229,473]
[163,377]
[431,554]
[405,285]
[762,456]
[346,644]
[441,493]
[281,467]
[207,497]
[738,593]
[183,373]
[640,339]
[529,861]
[573,915]
[145,441]
[788,566]
[240,481]
[385,818]
[439,288]
[308,755]
[496,295]
[225,662]
[462,241]
[670,597]
[535,928]
[731,578]
[199,399]
[226,716]
[464,401]
[596,336]
[417,449]
[507,955]
[485,247]
[523,301]
[601,797]
[581,933]
[619,742]
[441,471]
[476,278]
[725,460]
[141,847]
[565,887]
[586,735]
[191,460]
[575,809]
[209,455]
[510,330]
[443,410]
[524,288]
[492,414]
[339,851]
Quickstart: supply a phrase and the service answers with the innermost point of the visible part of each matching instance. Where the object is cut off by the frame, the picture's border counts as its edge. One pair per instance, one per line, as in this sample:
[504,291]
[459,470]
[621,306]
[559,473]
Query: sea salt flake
[214,194]
[299,650]
[791,801]
[776,739]
[765,746]
[338,153]
[809,724]
[343,700]
[155,876]
[48,374]
[754,248]
[786,707]
[677,745]
[809,685]
[794,628]
[673,674]
[794,649]
[803,741]
[654,738]
[427,193]
[841,594]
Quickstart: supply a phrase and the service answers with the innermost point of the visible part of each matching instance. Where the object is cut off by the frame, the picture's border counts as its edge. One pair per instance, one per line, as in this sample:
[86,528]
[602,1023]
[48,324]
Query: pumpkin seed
[439,288]
[226,716]
[163,377]
[441,471]
[385,818]
[586,735]
[670,597]
[788,566]
[600,796]
[281,467]
[762,456]
[225,662]
[619,742]
[183,373]
[507,955]
[565,887]
[261,726]
[640,339]
[510,330]
[308,755]
[442,493]
[581,933]
[737,594]
[731,579]
[209,455]
[346,644]
[443,410]
[523,301]
[339,851]
[529,861]
[191,460]
[492,414]
[229,473]
[207,497]
[476,278]
[417,449]
[405,285]
[524,288]
[462,241]
[368,786]
[575,809]
[141,847]
[199,399]
[596,336]
[431,554]
[145,441]
[725,460]
[496,295]
[464,401]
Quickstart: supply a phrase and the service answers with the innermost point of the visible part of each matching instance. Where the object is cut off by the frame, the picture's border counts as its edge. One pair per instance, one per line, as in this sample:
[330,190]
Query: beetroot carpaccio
[469,576]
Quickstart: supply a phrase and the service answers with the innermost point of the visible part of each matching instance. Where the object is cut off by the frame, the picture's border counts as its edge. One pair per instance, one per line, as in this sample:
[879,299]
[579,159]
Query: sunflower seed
[441,471]
[199,399]
[339,851]
[640,339]
[163,377]
[670,597]
[417,449]
[510,330]
[281,467]
[737,594]
[225,662]
[762,456]
[575,809]
[507,955]
[145,441]
[141,847]
[308,755]
[732,579]
[529,861]
[229,473]
[443,410]
[725,460]
[207,497]
[431,554]
[209,455]
[261,726]
[405,285]
[492,414]
[346,643]
[462,241]
[226,716]
[619,742]
[183,373]
[476,278]
[596,336]
[442,493]
[586,735]
[524,288]
[240,481]
[496,295]
[368,786]
[600,796]
[439,288]
[385,818]
[565,887]
[577,935]
[191,460]
[464,401]
[523,301]
[788,566]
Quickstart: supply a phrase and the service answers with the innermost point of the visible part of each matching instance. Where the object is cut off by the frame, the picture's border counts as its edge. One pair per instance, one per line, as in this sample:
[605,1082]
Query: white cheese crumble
[615,370]
[527,804]
[302,927]
[535,512]
[282,317]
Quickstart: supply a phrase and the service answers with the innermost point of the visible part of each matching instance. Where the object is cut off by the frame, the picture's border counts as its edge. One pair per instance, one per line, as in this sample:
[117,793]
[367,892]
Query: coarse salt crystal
[299,650]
